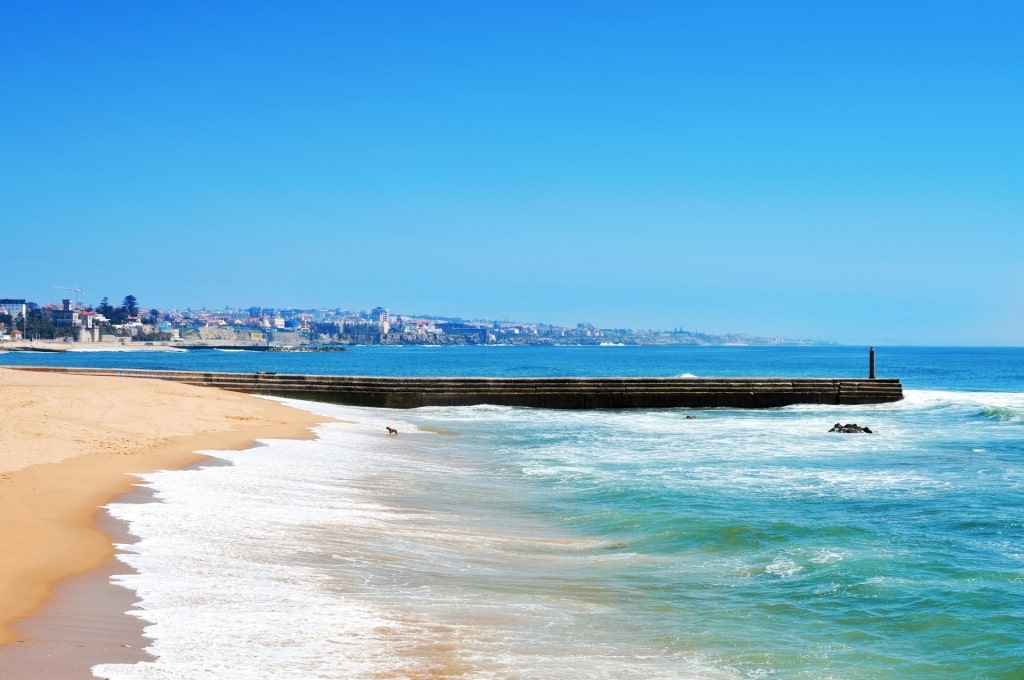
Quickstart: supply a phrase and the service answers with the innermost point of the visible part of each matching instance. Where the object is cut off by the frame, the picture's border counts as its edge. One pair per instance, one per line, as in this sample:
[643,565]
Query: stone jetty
[554,393]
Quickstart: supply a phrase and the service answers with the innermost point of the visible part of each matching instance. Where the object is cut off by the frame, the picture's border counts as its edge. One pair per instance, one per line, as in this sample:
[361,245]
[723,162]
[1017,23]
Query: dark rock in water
[850,428]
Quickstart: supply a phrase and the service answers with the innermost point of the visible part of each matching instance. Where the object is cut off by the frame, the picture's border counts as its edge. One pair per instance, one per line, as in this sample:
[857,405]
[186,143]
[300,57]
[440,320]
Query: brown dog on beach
[392,430]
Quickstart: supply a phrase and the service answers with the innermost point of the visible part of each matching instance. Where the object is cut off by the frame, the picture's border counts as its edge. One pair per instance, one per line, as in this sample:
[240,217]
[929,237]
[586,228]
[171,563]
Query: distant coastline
[56,346]
[326,330]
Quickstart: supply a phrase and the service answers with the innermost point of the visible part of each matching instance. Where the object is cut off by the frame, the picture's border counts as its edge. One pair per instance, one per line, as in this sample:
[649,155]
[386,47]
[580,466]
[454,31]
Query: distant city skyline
[377,313]
[846,173]
[317,329]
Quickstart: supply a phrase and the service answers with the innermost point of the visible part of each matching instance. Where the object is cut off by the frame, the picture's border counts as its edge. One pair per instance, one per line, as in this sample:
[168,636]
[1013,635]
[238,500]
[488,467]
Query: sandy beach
[68,445]
[62,346]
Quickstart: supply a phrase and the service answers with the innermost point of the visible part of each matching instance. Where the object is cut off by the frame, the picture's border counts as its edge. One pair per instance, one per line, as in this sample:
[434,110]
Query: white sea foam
[921,399]
[783,567]
[328,558]
[828,556]
[221,548]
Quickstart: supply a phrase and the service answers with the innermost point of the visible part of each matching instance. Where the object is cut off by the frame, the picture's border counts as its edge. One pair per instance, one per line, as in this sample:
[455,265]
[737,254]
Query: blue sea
[495,542]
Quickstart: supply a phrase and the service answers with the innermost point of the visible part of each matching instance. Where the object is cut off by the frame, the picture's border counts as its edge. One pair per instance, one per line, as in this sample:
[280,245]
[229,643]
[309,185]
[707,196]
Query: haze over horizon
[848,173]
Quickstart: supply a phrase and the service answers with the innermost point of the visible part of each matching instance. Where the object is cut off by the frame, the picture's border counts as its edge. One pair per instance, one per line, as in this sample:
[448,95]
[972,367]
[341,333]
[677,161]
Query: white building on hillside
[15,308]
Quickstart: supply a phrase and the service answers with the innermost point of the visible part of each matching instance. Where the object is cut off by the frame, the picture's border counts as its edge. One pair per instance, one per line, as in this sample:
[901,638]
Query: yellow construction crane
[78,291]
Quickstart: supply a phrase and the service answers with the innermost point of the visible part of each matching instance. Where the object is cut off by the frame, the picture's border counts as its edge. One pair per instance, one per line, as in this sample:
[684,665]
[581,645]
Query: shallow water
[493,542]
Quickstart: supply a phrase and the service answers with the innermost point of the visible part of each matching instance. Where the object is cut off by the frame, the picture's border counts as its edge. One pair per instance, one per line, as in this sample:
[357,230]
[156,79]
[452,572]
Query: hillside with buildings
[256,327]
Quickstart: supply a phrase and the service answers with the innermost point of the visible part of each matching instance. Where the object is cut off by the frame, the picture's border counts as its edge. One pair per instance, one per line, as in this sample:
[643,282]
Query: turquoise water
[773,548]
[491,542]
[976,368]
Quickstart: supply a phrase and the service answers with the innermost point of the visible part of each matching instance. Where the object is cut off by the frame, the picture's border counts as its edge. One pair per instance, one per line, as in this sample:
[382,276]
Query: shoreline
[85,621]
[72,445]
[59,346]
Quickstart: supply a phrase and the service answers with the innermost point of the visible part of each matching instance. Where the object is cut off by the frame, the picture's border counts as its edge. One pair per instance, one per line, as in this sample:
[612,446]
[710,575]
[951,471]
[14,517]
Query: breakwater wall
[557,393]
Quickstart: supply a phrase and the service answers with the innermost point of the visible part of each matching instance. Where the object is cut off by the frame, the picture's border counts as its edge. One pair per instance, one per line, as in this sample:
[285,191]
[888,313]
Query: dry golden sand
[69,444]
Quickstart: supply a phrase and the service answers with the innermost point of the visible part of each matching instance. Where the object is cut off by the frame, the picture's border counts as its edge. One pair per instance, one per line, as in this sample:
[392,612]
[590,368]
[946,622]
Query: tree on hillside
[38,328]
[105,308]
[118,315]
[131,305]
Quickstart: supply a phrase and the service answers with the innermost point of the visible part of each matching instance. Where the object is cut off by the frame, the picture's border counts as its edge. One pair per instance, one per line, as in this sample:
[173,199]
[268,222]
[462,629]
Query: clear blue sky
[847,171]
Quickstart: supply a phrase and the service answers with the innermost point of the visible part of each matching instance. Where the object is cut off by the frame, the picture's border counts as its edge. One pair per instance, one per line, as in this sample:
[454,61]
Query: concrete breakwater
[557,393]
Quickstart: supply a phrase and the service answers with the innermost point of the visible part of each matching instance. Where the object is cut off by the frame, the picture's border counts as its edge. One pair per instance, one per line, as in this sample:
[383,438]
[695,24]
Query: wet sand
[68,446]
